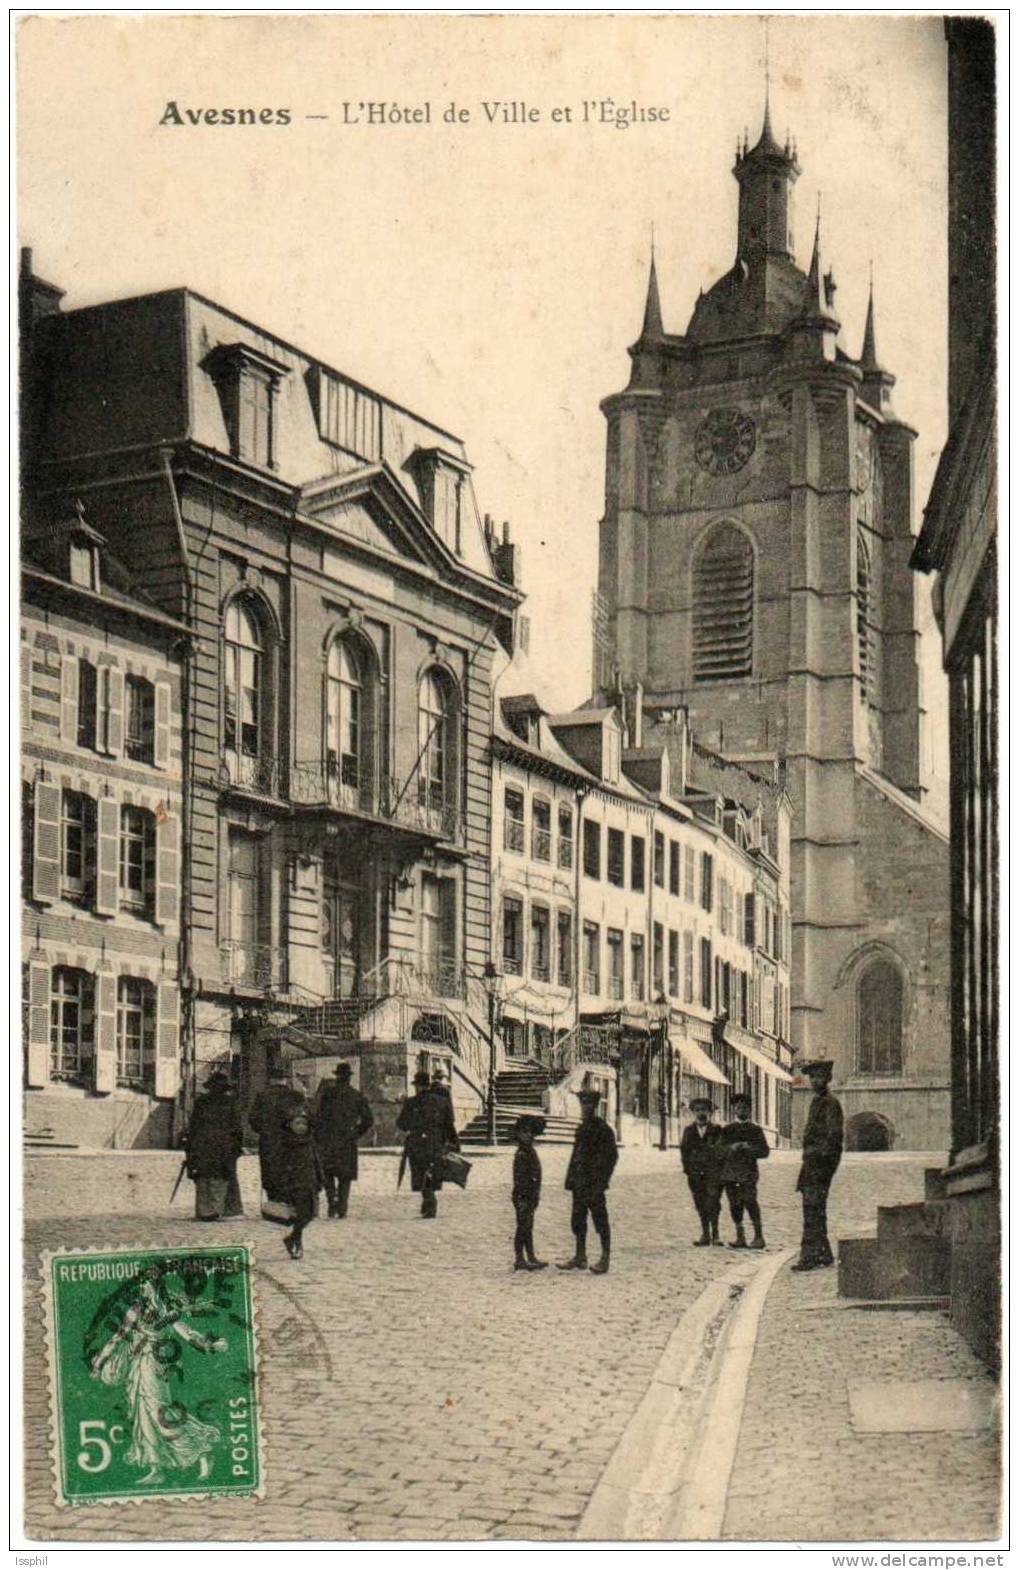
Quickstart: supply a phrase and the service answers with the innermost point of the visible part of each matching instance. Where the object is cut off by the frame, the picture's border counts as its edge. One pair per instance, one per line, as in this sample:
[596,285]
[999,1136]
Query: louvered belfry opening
[723,610]
[864,627]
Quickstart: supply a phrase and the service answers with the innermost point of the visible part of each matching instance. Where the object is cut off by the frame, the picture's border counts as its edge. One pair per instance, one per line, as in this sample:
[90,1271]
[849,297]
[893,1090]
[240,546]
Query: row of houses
[271,804]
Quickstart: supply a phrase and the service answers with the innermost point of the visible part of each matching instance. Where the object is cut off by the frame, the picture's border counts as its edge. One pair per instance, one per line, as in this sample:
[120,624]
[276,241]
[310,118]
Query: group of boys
[717,1159]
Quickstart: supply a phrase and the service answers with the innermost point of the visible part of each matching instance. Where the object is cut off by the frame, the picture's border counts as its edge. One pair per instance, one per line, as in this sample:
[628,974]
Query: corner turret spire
[868,354]
[652,327]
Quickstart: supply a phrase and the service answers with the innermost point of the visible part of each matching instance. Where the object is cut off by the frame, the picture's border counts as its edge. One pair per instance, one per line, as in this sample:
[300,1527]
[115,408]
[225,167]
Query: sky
[489,274]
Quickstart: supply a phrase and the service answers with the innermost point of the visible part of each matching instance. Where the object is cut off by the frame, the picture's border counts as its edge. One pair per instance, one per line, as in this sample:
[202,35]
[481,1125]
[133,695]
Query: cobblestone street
[415,1387]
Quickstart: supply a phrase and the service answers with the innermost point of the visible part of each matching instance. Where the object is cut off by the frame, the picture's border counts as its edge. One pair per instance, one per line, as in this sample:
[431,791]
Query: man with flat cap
[342,1115]
[822,1152]
[588,1176]
[701,1152]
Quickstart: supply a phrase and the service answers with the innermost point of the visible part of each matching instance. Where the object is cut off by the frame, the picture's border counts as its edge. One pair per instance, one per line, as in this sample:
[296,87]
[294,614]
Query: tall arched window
[344,714]
[864,633]
[723,606]
[437,742]
[879,1019]
[242,688]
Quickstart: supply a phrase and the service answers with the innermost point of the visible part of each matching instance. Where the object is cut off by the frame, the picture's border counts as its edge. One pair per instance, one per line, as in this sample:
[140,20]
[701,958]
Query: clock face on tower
[725,439]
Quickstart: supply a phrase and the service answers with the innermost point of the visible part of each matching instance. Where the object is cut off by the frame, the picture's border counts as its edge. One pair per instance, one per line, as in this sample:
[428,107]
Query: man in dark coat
[427,1120]
[744,1145]
[588,1176]
[822,1152]
[701,1154]
[270,1110]
[214,1142]
[342,1115]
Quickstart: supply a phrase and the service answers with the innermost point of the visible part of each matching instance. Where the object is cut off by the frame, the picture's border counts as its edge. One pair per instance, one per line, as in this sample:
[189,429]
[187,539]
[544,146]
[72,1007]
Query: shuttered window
[140,728]
[723,607]
[137,860]
[136,1032]
[72,1024]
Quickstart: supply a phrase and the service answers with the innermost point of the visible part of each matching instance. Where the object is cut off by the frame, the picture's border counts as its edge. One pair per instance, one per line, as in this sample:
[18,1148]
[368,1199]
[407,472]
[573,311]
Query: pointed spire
[868,354]
[652,308]
[813,298]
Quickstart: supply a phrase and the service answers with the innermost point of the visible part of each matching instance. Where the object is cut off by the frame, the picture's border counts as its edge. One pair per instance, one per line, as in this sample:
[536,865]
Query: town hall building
[754,574]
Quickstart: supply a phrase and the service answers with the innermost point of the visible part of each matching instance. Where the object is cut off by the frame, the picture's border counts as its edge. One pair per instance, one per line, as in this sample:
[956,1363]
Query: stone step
[924,1219]
[905,1266]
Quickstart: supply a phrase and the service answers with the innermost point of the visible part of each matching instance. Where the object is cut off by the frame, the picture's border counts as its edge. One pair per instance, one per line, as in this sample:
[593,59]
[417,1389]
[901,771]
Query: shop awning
[769,1066]
[696,1060]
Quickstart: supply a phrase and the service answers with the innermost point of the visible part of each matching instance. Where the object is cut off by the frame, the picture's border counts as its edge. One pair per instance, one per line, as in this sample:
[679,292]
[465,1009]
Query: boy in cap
[526,1190]
[743,1144]
[822,1152]
[587,1177]
[701,1154]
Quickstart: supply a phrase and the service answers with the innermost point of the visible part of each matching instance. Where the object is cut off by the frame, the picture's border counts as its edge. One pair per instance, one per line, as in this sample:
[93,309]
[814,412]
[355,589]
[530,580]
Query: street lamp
[663,1093]
[491,981]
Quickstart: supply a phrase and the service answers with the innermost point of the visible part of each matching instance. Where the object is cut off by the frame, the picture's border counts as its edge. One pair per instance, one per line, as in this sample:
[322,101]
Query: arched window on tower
[879,1019]
[723,606]
[864,618]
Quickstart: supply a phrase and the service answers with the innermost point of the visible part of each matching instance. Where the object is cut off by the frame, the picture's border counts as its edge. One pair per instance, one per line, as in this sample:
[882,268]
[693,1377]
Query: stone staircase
[908,1259]
[520,1087]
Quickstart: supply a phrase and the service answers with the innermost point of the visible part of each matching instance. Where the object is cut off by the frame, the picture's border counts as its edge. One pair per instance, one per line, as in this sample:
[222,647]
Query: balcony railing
[540,970]
[512,964]
[513,834]
[416,976]
[418,805]
[616,987]
[252,965]
[541,845]
[262,776]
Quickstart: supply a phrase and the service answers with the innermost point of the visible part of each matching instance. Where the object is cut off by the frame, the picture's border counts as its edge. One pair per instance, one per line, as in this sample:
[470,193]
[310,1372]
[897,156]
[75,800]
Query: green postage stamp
[153,1373]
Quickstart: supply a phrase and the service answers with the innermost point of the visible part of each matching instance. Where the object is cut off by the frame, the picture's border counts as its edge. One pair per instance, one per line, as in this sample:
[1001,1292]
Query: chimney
[505,555]
[633,714]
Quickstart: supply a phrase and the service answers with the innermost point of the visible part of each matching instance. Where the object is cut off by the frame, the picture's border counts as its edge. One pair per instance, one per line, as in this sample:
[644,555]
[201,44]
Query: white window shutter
[70,676]
[106,1032]
[107,857]
[114,711]
[167,871]
[46,843]
[161,723]
[37,1067]
[167,1039]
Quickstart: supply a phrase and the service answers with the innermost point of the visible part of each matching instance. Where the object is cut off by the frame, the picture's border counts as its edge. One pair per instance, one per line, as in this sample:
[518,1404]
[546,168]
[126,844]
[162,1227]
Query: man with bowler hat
[822,1152]
[700,1151]
[427,1120]
[588,1176]
[342,1115]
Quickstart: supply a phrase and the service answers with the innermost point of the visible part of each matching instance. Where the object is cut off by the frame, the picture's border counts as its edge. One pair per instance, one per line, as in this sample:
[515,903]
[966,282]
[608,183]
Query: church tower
[754,572]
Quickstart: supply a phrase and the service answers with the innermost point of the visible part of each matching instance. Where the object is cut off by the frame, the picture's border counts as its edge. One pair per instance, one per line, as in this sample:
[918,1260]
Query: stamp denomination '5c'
[153,1373]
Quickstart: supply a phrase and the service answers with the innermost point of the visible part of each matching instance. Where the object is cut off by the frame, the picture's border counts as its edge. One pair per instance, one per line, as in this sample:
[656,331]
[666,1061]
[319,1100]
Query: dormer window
[84,566]
[441,478]
[247,383]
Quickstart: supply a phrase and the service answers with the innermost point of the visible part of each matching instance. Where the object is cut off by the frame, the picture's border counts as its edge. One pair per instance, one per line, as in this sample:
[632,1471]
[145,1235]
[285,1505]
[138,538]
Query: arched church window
[864,623]
[723,606]
[879,1019]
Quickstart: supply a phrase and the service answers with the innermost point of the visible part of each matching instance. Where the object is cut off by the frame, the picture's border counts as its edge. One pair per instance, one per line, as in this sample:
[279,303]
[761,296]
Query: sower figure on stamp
[744,1145]
[700,1151]
[427,1120]
[588,1176]
[268,1117]
[214,1143]
[526,1190]
[822,1152]
[342,1115]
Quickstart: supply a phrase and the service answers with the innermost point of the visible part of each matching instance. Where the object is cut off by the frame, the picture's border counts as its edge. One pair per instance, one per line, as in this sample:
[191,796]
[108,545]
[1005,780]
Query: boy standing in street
[701,1154]
[743,1144]
[526,1190]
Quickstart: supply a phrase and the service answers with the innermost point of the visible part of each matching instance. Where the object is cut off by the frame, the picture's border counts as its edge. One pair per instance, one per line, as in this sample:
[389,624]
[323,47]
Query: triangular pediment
[370,506]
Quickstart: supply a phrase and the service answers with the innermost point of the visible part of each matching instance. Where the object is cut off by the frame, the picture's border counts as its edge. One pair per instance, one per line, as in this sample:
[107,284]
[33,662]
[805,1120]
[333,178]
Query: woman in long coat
[300,1177]
[214,1143]
[268,1117]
